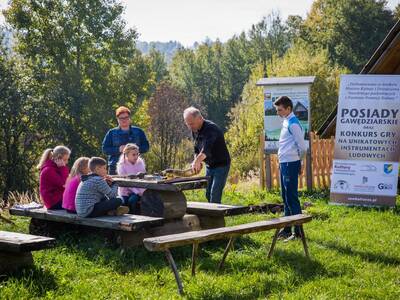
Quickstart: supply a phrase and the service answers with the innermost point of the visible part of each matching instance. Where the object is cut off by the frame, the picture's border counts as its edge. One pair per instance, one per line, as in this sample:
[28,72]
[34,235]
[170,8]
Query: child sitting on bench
[53,174]
[97,194]
[80,167]
[131,164]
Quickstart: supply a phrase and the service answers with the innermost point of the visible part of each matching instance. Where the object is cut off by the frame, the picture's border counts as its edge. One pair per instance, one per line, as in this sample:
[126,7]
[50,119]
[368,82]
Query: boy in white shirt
[292,149]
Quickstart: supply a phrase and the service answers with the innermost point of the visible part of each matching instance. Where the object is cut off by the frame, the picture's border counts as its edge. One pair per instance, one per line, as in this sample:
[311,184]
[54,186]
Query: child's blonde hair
[57,152]
[128,148]
[79,165]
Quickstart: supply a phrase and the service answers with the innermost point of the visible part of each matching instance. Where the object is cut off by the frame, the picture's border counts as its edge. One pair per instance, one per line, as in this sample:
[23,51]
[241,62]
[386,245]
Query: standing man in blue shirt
[292,149]
[116,138]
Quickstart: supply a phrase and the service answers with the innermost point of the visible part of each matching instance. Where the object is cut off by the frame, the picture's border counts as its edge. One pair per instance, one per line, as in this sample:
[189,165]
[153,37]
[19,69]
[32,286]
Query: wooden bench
[124,223]
[164,243]
[15,249]
[124,231]
[212,215]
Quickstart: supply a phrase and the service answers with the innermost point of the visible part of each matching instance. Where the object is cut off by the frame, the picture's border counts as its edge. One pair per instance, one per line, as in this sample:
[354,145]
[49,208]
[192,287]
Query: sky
[187,21]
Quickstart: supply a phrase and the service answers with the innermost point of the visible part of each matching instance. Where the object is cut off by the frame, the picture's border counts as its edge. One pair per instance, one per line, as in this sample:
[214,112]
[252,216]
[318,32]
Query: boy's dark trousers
[289,173]
[104,206]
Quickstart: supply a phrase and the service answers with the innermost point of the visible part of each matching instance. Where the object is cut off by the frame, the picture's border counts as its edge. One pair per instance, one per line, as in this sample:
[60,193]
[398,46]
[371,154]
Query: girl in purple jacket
[53,174]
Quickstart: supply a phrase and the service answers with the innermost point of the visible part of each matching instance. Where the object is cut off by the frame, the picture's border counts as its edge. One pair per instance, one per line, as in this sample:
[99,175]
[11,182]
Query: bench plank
[222,210]
[215,209]
[174,240]
[125,223]
[20,242]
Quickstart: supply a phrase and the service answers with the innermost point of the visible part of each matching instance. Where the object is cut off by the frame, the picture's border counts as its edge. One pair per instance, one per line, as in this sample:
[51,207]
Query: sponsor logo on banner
[344,168]
[385,186]
[367,168]
[342,185]
[388,168]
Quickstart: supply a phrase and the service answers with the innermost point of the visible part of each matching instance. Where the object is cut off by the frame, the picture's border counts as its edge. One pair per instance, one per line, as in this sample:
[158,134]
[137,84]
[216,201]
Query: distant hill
[166,48]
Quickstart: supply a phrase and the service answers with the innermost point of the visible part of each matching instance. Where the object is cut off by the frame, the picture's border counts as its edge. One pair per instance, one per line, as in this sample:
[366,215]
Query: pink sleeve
[121,169]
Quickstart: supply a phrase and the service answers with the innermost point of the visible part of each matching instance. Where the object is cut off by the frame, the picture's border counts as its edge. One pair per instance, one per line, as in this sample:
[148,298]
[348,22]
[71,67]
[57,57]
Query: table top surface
[173,185]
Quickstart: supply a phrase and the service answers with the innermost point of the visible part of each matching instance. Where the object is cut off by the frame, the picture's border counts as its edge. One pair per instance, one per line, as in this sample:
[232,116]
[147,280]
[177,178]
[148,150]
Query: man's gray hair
[192,111]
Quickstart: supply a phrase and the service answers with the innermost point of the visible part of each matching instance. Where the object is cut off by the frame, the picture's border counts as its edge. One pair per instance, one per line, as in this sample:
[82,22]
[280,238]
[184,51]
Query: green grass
[355,254]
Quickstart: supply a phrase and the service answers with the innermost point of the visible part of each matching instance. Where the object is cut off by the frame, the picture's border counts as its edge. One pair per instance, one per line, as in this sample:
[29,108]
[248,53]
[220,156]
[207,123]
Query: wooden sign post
[298,90]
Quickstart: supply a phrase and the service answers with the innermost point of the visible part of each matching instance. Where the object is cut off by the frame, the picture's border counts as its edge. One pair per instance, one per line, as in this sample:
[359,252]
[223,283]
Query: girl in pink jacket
[131,164]
[80,167]
[53,174]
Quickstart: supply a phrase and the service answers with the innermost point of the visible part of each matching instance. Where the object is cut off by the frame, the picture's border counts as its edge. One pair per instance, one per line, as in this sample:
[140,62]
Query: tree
[294,26]
[19,137]
[303,61]
[268,39]
[246,125]
[397,12]
[167,129]
[85,64]
[349,29]
[157,64]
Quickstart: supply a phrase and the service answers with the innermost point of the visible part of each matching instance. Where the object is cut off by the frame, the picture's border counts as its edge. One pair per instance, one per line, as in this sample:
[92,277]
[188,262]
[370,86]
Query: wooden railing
[321,165]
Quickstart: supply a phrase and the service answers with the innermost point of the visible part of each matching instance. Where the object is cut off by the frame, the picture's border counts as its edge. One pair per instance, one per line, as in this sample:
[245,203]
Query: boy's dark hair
[96,162]
[284,101]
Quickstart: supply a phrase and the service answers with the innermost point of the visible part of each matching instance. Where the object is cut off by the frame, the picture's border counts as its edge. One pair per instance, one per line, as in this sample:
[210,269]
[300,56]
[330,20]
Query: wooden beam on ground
[221,210]
[215,209]
[126,222]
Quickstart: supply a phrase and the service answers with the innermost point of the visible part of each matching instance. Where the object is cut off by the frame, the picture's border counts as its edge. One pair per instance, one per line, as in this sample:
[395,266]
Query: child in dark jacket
[53,174]
[97,194]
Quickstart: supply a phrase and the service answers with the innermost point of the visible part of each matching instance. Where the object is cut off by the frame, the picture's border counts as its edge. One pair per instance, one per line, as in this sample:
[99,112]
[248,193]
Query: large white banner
[367,147]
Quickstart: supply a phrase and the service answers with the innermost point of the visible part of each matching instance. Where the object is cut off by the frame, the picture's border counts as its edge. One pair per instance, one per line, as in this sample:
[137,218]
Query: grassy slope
[355,255]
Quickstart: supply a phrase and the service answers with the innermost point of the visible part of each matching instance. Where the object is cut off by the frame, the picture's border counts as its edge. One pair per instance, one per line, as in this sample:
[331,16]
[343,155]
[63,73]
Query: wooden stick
[303,239]
[194,255]
[174,270]
[228,247]
[271,249]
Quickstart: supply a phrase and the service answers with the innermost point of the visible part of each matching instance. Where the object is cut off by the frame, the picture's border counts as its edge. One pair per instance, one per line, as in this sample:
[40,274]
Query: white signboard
[367,147]
[299,94]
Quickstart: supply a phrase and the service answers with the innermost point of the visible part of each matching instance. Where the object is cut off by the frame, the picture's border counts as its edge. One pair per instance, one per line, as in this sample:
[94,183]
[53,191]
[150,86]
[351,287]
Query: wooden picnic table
[164,198]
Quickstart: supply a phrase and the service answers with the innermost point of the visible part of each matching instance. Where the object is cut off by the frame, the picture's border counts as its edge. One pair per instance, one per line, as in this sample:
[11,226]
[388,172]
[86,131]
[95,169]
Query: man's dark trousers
[216,183]
[289,185]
